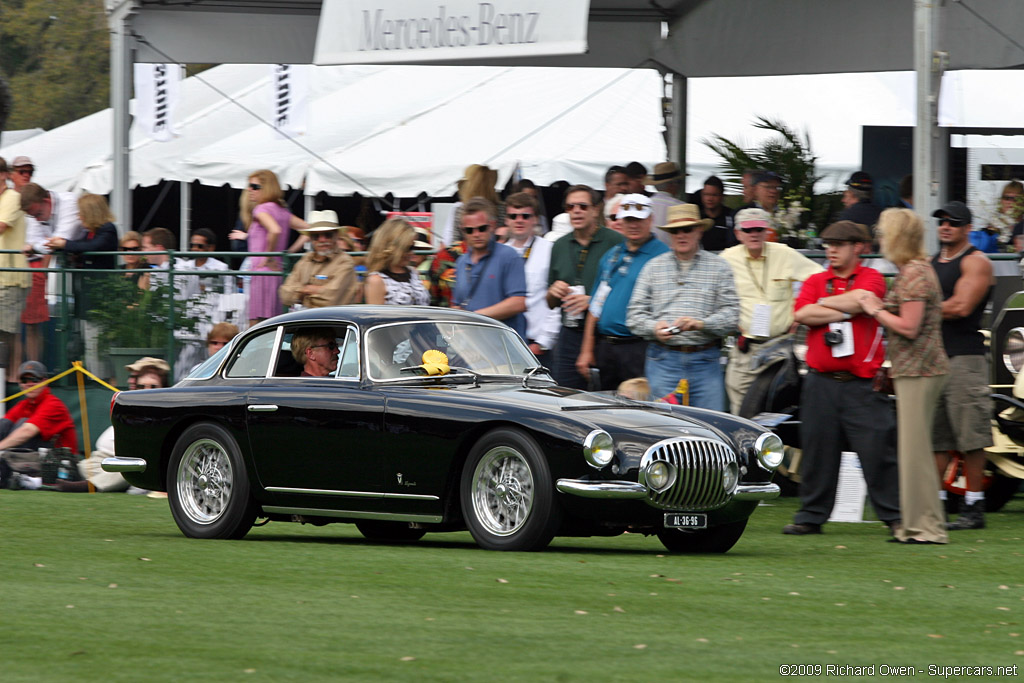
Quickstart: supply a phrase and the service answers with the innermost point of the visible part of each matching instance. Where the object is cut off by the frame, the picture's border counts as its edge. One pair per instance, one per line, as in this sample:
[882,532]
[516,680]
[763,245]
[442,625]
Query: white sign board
[383,31]
[850,490]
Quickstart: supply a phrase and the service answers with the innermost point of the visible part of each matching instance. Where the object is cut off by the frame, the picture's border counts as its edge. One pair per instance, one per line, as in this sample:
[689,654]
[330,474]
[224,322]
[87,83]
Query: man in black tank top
[963,413]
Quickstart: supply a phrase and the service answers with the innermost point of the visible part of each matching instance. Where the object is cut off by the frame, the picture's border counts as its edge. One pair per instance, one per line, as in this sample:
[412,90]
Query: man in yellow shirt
[765,274]
[13,285]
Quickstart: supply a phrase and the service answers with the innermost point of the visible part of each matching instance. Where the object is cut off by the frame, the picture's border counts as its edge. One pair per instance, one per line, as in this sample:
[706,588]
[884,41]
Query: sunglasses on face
[1009,197]
[255,186]
[479,228]
[196,245]
[752,230]
[29,379]
[131,248]
[333,346]
[216,343]
[951,222]
[634,207]
[518,216]
[685,229]
[583,206]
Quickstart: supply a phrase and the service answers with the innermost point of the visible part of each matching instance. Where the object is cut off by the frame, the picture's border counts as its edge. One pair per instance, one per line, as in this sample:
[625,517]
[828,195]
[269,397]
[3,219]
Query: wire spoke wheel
[205,481]
[503,491]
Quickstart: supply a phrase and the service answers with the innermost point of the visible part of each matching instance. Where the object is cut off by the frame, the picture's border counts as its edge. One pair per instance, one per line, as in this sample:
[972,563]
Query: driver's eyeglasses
[333,346]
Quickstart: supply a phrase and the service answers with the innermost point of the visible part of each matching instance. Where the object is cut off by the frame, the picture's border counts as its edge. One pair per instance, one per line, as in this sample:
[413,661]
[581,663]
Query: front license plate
[676,520]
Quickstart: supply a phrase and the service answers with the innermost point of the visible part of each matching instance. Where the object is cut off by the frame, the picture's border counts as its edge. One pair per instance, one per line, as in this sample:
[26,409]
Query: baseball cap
[32,368]
[860,181]
[634,206]
[957,212]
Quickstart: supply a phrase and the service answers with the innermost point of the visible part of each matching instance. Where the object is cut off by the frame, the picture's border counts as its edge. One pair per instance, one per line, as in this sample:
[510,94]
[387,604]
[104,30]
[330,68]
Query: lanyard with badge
[761,317]
[839,337]
[620,266]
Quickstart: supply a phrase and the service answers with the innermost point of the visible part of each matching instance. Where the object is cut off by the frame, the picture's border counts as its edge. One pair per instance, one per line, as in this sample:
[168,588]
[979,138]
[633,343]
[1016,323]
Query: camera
[834,337]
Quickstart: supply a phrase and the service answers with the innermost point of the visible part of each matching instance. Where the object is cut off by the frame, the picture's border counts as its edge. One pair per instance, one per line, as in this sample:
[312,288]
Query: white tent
[374,129]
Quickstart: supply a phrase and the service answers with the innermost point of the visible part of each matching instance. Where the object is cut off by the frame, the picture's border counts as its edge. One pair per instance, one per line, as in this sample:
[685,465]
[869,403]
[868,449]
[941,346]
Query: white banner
[289,106]
[382,31]
[157,95]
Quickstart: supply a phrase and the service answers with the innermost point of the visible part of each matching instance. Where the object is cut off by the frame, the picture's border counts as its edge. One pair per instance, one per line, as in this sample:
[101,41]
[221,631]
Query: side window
[348,365]
[341,344]
[253,357]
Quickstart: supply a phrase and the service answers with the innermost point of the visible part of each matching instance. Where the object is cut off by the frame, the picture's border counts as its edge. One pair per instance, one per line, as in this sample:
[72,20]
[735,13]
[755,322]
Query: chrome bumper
[630,490]
[116,464]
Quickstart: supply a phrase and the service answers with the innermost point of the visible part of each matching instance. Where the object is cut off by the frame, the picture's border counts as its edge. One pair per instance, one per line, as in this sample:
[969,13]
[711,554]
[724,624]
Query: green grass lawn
[105,587]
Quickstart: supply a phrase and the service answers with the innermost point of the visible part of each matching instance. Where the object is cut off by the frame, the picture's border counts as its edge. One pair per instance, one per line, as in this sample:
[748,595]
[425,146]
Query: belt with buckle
[691,349]
[612,339]
[839,376]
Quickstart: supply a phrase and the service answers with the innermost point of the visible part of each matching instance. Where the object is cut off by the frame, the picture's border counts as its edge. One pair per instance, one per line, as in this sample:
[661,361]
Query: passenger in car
[317,350]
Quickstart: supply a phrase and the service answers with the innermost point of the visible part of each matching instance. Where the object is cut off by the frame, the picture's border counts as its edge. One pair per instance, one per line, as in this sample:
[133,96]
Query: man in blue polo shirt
[608,344]
[489,277]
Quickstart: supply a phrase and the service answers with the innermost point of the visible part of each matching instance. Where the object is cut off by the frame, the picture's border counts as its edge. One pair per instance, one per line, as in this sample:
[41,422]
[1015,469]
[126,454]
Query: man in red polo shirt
[839,410]
[40,420]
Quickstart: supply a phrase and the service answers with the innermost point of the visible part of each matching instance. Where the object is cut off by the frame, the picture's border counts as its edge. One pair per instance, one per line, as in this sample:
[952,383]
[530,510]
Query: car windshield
[393,350]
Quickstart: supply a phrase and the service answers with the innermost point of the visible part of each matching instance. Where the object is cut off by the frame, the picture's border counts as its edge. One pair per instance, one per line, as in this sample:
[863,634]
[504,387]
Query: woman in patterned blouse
[912,314]
[390,279]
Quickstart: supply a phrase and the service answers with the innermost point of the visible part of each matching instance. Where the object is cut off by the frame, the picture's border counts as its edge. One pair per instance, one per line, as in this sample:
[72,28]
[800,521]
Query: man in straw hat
[324,276]
[685,302]
[765,274]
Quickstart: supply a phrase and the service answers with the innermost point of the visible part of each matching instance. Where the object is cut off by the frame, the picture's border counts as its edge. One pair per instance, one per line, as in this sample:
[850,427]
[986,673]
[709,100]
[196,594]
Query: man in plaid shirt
[685,302]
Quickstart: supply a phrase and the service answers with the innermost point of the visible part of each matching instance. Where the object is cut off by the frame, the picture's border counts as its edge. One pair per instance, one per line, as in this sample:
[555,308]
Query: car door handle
[262,408]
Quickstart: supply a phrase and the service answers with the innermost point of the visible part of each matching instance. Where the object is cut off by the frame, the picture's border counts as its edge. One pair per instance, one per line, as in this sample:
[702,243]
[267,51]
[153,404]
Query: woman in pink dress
[269,225]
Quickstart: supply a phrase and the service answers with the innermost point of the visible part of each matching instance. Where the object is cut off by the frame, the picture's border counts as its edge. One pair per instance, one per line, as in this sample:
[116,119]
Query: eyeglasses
[614,217]
[752,230]
[148,386]
[1009,197]
[25,171]
[29,379]
[131,248]
[197,245]
[577,205]
[478,228]
[255,186]
[518,216]
[333,346]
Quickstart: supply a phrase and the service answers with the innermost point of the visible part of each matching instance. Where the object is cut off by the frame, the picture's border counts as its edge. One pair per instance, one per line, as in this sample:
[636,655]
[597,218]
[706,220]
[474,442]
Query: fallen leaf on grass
[793,593]
[840,547]
[674,580]
[248,671]
[657,576]
[1014,635]
[502,580]
[899,588]
[641,646]
[946,585]
[112,585]
[40,565]
[1019,652]
[935,635]
[408,659]
[703,640]
[1003,609]
[618,609]
[840,604]
[145,559]
[1004,588]
[70,606]
[579,611]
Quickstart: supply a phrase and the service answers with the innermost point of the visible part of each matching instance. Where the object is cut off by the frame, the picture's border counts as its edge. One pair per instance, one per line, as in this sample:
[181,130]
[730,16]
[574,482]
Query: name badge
[761,321]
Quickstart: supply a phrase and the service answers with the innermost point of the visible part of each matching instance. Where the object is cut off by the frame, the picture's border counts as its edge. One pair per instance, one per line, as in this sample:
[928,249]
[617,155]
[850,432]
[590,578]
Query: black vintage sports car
[432,420]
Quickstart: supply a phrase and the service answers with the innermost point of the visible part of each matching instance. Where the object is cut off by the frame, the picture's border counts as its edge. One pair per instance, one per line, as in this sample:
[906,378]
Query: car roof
[368,316]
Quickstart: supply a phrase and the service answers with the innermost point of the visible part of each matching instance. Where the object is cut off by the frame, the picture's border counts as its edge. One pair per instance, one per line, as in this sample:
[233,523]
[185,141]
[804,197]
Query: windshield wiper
[533,371]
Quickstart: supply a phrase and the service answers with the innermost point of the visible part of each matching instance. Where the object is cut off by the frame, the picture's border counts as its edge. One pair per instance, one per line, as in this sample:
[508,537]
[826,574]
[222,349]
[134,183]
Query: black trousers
[618,362]
[845,416]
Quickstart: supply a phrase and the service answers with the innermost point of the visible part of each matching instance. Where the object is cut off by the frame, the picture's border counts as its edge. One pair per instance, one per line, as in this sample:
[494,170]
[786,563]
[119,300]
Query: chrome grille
[700,465]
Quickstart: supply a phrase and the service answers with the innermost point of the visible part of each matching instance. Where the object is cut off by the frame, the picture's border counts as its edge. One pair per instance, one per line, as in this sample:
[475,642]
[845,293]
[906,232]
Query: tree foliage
[55,55]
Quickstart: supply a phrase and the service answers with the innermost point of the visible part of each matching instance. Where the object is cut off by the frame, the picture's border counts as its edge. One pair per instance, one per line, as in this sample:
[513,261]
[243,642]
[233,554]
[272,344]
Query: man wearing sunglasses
[13,285]
[574,264]
[39,420]
[317,351]
[839,410]
[489,277]
[767,273]
[608,343]
[963,414]
[684,302]
[324,276]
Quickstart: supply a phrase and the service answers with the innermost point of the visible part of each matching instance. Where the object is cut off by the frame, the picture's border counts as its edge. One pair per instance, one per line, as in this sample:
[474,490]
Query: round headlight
[730,477]
[598,449]
[660,475]
[1013,350]
[769,450]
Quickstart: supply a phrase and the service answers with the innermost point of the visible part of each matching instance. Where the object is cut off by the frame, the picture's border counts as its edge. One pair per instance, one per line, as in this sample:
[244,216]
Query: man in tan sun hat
[667,180]
[324,276]
[685,302]
[768,277]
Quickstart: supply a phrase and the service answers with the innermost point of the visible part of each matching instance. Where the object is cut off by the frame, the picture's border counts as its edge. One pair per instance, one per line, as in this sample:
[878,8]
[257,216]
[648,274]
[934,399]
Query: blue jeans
[703,370]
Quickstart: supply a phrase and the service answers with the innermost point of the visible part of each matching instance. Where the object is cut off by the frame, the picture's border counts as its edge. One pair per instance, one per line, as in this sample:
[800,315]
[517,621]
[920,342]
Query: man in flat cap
[839,410]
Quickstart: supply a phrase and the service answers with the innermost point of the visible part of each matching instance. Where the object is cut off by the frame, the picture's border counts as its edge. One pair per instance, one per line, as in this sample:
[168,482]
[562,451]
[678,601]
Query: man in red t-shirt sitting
[40,420]
[839,410]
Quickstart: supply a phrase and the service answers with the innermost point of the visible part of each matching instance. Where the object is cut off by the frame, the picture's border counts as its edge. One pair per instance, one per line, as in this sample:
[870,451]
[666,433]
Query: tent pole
[677,133]
[185,213]
[121,60]
[928,64]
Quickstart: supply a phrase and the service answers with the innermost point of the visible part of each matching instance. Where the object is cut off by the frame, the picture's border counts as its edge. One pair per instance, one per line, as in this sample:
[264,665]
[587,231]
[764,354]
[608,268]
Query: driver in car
[317,351]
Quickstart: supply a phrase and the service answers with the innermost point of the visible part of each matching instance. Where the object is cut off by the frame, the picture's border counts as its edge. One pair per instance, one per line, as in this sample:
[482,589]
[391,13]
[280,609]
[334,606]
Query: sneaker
[801,529]
[971,517]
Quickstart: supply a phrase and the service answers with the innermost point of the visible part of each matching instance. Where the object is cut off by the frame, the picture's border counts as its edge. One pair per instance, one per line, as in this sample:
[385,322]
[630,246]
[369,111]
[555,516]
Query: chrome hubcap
[205,481]
[503,491]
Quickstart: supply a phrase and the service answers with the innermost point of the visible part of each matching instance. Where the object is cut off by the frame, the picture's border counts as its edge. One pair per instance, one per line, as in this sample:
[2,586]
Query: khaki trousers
[920,508]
